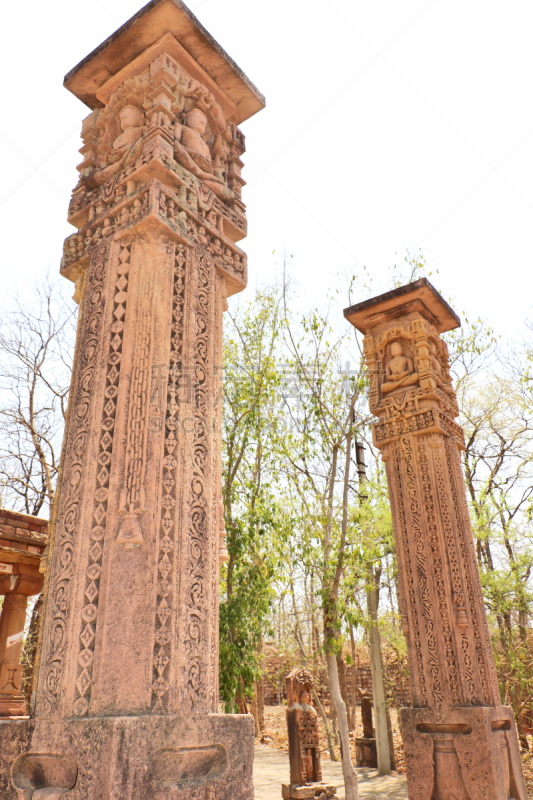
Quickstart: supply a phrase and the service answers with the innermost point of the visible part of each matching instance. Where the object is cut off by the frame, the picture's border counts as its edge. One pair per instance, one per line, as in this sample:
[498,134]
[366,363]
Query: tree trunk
[378,682]
[341,668]
[354,681]
[350,777]
[241,699]
[256,708]
[331,749]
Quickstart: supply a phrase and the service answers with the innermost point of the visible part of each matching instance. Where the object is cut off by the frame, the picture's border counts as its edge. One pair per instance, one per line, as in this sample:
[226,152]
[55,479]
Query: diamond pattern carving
[91,592]
[90,611]
[99,514]
[95,552]
[87,636]
[83,682]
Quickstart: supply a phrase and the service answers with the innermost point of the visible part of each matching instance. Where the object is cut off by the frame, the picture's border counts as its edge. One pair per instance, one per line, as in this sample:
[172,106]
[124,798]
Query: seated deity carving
[437,370]
[193,153]
[399,370]
[125,150]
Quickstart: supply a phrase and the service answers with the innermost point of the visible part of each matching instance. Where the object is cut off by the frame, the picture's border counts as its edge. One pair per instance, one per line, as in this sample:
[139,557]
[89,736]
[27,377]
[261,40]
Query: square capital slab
[419,296]
[144,30]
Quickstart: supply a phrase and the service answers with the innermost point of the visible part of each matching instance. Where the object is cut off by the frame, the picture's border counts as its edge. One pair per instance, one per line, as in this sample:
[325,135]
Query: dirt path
[271,769]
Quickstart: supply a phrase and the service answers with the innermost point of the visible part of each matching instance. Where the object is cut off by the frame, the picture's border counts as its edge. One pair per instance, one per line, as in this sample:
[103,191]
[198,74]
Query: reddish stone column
[12,621]
[19,579]
[127,692]
[459,741]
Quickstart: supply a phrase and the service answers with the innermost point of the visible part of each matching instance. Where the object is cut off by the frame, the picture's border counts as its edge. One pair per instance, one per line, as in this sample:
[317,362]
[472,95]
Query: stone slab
[143,30]
[127,758]
[419,294]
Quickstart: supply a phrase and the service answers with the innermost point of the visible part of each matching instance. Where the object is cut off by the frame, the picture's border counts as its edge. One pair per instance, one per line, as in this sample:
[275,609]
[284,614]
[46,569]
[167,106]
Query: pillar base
[467,753]
[129,758]
[13,705]
[308,791]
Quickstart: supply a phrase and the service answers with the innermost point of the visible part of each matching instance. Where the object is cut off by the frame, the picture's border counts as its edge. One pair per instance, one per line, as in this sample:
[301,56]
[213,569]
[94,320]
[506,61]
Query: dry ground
[276,735]
[276,730]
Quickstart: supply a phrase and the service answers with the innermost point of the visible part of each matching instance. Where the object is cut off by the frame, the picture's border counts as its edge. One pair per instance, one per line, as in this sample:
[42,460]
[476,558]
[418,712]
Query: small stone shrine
[365,745]
[23,539]
[459,740]
[126,698]
[304,745]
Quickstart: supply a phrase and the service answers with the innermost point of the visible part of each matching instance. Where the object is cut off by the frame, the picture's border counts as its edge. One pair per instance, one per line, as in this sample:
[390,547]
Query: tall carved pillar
[127,695]
[460,742]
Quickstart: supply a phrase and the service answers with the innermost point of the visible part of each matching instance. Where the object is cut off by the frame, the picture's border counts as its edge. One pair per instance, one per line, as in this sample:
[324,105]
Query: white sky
[389,125]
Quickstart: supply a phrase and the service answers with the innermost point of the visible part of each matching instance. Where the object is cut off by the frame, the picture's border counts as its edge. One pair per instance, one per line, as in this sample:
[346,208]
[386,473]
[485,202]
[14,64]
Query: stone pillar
[127,686]
[459,741]
[12,621]
[19,579]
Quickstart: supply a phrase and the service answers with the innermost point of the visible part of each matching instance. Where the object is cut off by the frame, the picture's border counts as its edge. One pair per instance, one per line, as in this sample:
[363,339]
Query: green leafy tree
[255,521]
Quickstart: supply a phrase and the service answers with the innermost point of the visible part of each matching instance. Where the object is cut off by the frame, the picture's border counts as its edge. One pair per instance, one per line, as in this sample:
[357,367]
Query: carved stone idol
[459,740]
[304,744]
[126,699]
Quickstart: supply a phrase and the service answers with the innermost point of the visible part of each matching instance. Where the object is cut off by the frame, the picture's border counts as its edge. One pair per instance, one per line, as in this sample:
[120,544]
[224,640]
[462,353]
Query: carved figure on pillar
[460,742]
[304,744]
[127,687]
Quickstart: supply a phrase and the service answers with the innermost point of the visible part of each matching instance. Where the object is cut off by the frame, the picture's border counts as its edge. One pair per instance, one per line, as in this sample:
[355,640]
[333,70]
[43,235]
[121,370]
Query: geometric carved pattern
[196,612]
[422,574]
[167,536]
[439,581]
[68,516]
[394,478]
[90,608]
[487,697]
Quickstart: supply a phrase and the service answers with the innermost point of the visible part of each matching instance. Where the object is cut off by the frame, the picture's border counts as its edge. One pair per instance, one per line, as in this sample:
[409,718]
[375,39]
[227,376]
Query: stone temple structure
[460,742]
[23,541]
[125,706]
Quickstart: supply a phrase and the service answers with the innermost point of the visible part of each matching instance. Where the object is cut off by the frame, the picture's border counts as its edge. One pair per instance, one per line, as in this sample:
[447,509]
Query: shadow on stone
[188,767]
[43,775]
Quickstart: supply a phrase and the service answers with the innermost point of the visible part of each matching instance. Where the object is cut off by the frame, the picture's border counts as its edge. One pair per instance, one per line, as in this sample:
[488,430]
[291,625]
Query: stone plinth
[309,791]
[127,689]
[23,539]
[459,740]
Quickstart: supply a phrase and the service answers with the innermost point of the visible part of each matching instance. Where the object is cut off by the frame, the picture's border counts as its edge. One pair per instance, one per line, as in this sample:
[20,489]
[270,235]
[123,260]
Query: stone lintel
[145,29]
[419,296]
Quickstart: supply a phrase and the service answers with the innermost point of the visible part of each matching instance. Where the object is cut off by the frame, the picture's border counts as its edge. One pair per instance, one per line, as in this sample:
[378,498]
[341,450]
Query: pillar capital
[161,147]
[407,362]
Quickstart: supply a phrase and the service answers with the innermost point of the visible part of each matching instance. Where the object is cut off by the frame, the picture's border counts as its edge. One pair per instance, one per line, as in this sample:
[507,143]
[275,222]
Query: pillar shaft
[459,741]
[12,622]
[143,500]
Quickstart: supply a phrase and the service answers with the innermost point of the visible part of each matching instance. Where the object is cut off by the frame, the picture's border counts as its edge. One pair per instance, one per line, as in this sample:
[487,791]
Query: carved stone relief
[450,733]
[69,512]
[90,608]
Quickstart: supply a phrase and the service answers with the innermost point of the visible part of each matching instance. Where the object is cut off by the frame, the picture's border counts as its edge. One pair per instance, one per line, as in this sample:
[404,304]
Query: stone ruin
[304,744]
[126,691]
[126,698]
[365,745]
[459,740]
[23,540]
